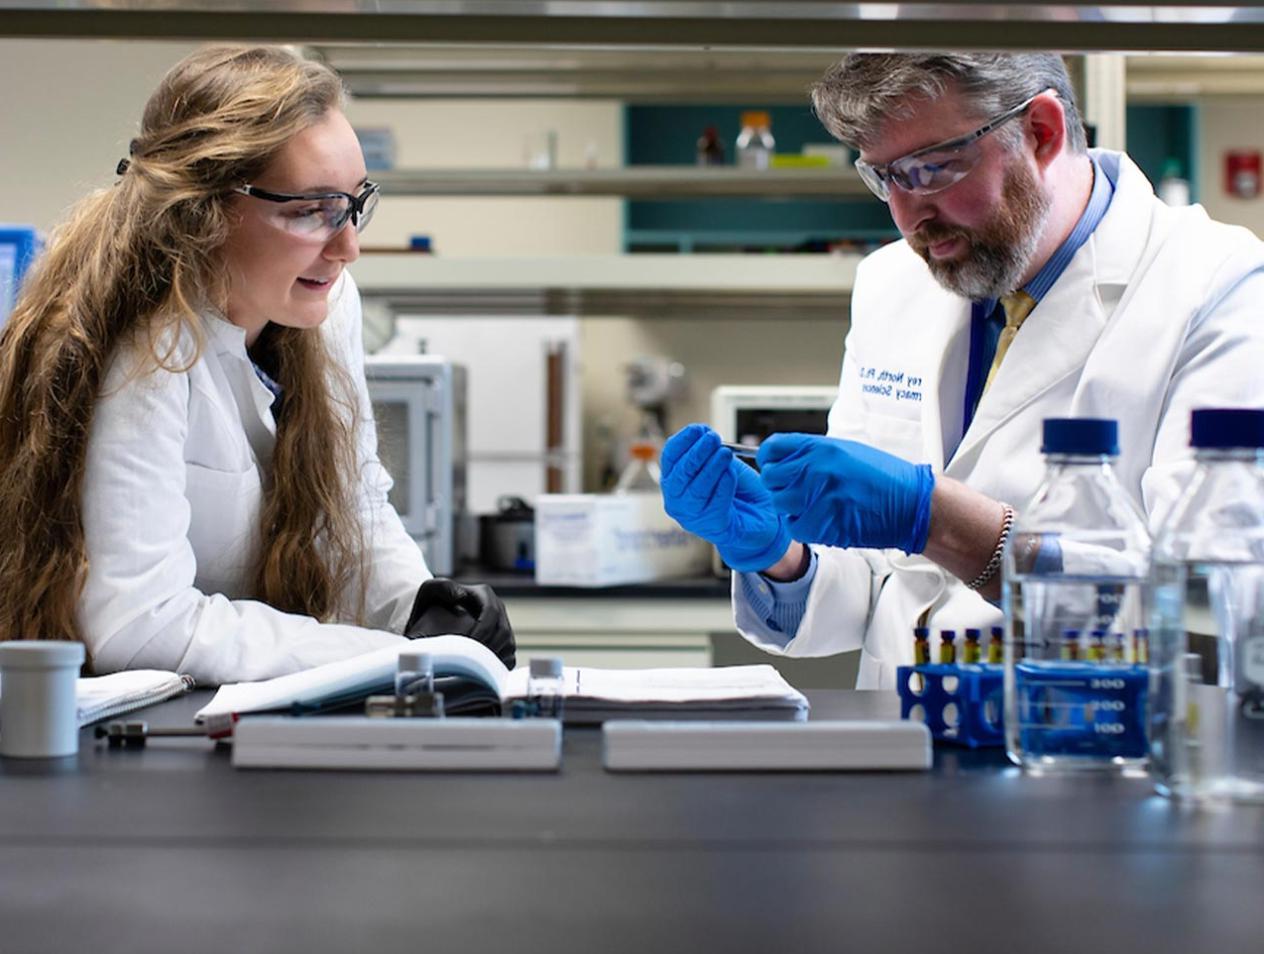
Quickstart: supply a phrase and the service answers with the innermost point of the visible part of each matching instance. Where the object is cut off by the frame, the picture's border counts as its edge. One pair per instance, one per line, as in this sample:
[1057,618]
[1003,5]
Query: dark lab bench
[171,849]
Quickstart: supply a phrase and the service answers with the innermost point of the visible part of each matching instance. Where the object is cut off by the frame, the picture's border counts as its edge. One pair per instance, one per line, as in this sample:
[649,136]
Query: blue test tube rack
[975,691]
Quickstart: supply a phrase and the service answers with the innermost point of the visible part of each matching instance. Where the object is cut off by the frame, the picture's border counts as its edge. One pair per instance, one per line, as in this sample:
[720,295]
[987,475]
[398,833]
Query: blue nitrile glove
[847,494]
[711,493]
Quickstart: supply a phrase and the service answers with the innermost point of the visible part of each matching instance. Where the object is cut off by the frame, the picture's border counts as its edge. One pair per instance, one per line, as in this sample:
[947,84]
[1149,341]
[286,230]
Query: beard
[1000,251]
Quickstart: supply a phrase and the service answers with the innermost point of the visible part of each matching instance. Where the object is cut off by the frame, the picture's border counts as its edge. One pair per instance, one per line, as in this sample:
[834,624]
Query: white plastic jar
[38,715]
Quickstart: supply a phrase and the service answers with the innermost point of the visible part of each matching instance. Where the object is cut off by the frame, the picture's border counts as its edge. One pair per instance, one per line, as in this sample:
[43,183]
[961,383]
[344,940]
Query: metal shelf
[1048,24]
[641,182]
[642,286]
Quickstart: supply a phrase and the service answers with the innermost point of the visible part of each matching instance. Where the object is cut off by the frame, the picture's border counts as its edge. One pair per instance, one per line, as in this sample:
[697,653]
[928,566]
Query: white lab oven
[419,406]
[748,413]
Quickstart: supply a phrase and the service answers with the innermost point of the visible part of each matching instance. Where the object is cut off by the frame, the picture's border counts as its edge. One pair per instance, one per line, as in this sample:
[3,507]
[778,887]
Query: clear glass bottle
[1207,657]
[545,691]
[1077,562]
[415,674]
[642,474]
[755,144]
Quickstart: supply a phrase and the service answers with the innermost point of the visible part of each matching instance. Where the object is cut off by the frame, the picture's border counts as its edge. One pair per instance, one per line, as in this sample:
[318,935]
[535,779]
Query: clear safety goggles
[934,168]
[317,217]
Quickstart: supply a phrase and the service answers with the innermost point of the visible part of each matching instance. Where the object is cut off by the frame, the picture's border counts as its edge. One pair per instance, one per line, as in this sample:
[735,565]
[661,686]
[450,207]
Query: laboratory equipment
[972,652]
[747,414]
[825,745]
[921,645]
[545,690]
[415,673]
[507,537]
[610,540]
[642,474]
[419,408]
[414,696]
[133,735]
[359,742]
[1207,651]
[1077,561]
[38,713]
[961,703]
[653,382]
[755,144]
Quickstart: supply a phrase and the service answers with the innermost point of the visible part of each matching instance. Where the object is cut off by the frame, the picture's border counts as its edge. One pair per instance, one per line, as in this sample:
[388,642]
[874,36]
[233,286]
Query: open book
[591,695]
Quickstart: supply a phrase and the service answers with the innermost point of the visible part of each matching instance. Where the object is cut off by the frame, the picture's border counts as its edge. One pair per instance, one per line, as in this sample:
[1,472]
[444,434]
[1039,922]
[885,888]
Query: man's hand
[712,494]
[847,494]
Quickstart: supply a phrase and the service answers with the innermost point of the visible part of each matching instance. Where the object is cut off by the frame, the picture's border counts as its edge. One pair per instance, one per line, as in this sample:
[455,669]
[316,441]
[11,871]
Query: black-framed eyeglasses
[318,216]
[934,168]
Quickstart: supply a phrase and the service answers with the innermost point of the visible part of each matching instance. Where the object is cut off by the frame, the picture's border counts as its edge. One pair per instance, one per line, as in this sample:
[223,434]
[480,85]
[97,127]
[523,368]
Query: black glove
[444,606]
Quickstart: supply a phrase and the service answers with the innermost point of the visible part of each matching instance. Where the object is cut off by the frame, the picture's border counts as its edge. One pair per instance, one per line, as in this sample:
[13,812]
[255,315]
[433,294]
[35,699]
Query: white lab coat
[172,492]
[1157,313]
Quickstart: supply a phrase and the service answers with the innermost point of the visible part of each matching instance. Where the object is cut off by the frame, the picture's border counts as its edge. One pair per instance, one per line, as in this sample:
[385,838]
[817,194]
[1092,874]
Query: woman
[189,471]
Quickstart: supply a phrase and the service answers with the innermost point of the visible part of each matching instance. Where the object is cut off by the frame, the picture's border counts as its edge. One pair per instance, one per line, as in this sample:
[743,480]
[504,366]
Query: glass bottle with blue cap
[1207,730]
[1077,561]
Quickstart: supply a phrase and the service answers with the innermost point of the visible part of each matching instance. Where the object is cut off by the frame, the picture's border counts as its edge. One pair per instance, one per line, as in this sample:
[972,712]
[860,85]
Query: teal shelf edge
[689,241]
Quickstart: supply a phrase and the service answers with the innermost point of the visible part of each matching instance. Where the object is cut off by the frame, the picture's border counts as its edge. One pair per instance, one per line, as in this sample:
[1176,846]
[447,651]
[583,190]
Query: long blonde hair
[137,263]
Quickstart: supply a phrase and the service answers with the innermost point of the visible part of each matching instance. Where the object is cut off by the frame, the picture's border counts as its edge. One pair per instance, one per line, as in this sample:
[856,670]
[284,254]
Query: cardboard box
[610,539]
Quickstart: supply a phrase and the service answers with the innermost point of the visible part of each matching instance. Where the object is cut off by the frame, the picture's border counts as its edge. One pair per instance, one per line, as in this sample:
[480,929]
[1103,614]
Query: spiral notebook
[101,697]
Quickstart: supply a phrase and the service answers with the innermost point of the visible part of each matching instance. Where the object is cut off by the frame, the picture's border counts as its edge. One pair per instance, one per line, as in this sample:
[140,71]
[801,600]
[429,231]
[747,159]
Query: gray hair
[860,92]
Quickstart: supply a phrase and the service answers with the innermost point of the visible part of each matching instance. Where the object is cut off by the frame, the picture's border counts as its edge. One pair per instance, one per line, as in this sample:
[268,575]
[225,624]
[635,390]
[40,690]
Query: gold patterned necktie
[1018,306]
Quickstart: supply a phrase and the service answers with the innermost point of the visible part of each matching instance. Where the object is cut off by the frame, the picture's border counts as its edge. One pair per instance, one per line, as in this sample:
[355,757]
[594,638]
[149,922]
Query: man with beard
[1037,278]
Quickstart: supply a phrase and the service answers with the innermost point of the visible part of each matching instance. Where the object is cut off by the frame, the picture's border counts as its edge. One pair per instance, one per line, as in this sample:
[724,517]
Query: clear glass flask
[1076,595]
[1207,727]
[642,474]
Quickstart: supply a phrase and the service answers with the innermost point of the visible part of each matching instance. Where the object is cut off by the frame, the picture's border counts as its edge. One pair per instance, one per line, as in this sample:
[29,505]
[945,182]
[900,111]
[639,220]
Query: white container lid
[40,654]
[413,661]
[550,667]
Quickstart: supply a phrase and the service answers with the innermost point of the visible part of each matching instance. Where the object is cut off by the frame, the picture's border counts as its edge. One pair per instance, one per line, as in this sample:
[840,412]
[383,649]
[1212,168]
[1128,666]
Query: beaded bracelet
[994,564]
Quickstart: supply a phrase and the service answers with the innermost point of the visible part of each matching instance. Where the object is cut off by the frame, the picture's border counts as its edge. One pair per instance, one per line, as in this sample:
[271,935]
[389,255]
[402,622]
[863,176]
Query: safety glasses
[317,217]
[934,168]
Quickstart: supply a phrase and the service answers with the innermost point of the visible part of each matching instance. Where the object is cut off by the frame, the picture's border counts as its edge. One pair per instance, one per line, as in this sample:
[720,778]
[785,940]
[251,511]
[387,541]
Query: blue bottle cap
[973,634]
[1081,435]
[1226,427]
[921,632]
[947,635]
